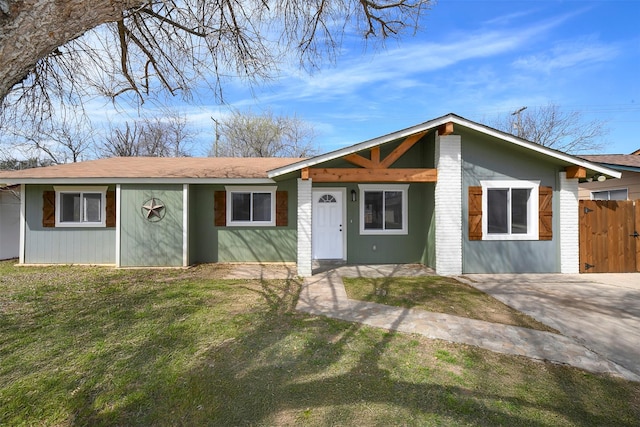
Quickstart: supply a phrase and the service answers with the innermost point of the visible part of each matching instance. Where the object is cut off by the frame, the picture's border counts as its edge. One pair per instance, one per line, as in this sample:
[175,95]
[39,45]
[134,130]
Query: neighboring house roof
[629,162]
[435,123]
[142,169]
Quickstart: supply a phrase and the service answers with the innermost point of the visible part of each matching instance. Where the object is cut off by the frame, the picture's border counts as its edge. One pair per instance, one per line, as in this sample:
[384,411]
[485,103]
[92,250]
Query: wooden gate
[609,239]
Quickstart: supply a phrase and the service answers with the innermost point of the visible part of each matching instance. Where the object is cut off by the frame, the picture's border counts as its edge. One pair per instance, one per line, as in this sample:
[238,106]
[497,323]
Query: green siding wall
[63,245]
[203,238]
[145,243]
[253,245]
[209,243]
[381,249]
[417,245]
[487,158]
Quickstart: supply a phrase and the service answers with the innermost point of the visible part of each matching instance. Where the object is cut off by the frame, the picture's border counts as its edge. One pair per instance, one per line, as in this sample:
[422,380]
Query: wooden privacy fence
[609,239]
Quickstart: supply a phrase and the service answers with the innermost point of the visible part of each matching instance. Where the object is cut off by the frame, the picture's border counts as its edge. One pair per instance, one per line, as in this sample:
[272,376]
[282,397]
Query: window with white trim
[619,194]
[251,206]
[81,206]
[510,210]
[383,209]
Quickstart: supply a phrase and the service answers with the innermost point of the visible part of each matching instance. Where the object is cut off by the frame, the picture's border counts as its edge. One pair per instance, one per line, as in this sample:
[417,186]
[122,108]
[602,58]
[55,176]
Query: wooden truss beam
[372,175]
[375,155]
[363,162]
[375,169]
[376,163]
[401,149]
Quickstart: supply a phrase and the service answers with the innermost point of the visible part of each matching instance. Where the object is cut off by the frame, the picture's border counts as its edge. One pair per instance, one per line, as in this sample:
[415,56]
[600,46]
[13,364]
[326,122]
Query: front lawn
[95,346]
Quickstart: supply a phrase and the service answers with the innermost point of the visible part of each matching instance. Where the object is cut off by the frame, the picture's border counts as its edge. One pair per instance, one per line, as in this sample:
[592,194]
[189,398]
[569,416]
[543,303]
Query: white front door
[328,224]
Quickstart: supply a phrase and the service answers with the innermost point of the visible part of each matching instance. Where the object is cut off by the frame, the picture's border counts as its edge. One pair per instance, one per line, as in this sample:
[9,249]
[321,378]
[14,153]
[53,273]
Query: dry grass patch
[440,295]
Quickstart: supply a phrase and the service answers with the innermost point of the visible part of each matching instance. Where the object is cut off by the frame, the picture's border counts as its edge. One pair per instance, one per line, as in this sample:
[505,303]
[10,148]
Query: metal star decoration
[153,209]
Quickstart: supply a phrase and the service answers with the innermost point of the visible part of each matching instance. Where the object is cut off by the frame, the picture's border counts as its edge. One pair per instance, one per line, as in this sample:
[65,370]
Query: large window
[80,206]
[247,206]
[383,209]
[619,194]
[510,210]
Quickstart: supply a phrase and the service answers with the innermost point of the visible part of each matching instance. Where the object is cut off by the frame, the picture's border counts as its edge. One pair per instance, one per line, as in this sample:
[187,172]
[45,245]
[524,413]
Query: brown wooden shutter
[49,209]
[545,208]
[111,209]
[475,213]
[220,208]
[282,208]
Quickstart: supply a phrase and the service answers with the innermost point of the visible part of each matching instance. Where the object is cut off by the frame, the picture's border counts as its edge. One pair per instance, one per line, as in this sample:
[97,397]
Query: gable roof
[174,170]
[433,124]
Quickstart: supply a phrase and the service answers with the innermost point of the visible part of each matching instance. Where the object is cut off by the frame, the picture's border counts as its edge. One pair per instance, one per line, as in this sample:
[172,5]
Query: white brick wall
[304,228]
[448,205]
[569,225]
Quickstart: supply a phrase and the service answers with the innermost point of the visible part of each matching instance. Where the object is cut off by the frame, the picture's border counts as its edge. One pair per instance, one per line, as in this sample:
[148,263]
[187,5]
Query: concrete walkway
[599,311]
[324,294]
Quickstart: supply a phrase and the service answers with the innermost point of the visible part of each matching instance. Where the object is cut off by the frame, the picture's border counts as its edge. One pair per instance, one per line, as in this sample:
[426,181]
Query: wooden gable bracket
[445,129]
[575,172]
[376,169]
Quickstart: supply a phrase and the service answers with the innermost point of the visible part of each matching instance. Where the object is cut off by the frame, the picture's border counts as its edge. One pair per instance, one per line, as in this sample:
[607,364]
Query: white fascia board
[359,147]
[434,124]
[537,147]
[181,181]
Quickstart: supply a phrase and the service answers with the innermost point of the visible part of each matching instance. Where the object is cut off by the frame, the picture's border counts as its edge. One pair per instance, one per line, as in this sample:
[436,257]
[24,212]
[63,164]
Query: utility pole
[215,144]
[519,122]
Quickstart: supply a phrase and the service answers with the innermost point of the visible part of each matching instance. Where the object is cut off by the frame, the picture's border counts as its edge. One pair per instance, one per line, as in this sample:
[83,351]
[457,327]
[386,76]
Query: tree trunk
[33,29]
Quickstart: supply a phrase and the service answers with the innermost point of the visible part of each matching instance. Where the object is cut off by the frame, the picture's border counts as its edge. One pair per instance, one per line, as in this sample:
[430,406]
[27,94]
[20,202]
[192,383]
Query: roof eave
[542,149]
[75,181]
[433,124]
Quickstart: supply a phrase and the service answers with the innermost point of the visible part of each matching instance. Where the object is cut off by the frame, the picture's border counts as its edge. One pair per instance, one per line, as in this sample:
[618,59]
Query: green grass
[441,295]
[94,346]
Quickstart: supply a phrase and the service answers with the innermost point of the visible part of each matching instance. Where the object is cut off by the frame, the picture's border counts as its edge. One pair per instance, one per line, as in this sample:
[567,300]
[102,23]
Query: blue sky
[479,59]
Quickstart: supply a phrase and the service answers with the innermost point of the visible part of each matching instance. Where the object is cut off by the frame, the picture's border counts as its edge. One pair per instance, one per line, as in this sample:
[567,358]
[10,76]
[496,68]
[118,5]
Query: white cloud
[568,54]
[406,66]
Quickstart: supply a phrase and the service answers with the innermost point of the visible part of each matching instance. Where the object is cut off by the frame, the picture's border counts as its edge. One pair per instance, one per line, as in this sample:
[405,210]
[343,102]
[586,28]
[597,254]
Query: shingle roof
[632,160]
[155,167]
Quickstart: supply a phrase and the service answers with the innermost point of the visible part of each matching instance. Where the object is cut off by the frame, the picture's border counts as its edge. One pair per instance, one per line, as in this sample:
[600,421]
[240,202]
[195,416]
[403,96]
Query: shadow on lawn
[290,368]
[111,349]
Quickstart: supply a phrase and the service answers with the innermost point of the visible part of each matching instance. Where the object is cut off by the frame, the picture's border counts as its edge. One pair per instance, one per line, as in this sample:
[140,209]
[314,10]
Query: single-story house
[625,188]
[449,193]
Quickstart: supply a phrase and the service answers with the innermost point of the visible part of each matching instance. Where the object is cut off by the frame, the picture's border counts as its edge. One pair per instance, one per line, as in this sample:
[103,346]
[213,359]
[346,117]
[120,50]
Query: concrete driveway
[601,311]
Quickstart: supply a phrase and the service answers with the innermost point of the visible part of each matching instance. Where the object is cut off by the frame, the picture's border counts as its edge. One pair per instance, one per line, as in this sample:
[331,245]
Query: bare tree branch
[55,50]
[164,136]
[264,135]
[63,139]
[551,127]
